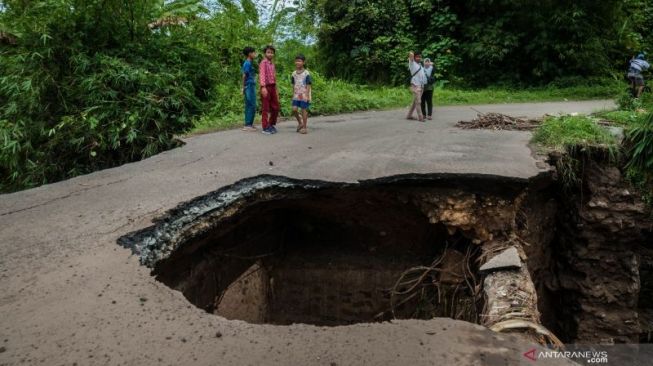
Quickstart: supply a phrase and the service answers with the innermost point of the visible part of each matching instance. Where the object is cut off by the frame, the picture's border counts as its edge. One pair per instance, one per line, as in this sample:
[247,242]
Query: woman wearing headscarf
[427,93]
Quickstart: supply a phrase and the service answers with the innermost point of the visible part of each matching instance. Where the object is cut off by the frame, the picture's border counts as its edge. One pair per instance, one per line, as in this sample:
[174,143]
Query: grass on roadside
[570,136]
[545,94]
[335,96]
[329,97]
[559,133]
[630,112]
[621,118]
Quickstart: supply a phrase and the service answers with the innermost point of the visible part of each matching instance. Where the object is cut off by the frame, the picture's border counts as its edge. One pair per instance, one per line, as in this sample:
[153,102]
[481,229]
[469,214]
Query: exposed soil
[603,259]
[332,254]
[279,251]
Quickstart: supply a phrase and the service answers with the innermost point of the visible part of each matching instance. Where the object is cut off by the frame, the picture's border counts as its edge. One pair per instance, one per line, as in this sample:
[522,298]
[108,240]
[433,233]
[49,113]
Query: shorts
[301,104]
[637,80]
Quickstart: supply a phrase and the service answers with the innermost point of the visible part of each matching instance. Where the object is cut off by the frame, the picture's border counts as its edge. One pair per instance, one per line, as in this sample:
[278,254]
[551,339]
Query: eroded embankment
[603,258]
[483,249]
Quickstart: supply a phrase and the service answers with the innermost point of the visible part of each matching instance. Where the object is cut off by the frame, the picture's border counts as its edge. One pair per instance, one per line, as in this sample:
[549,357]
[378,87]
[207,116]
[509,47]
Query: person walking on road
[427,93]
[417,82]
[269,96]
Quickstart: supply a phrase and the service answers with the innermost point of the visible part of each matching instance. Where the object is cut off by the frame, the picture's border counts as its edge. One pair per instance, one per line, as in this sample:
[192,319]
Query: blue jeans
[250,104]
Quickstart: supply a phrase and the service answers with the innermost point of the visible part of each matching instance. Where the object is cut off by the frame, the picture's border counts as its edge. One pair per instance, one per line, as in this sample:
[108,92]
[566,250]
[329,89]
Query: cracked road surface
[70,295]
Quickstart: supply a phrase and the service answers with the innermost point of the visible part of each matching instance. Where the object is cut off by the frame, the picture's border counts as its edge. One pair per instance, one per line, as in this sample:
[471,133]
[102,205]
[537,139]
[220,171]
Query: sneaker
[273,129]
[266,131]
[249,129]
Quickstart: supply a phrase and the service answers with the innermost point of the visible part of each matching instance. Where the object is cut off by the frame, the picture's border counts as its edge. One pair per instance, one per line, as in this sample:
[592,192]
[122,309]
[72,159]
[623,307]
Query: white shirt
[637,66]
[420,76]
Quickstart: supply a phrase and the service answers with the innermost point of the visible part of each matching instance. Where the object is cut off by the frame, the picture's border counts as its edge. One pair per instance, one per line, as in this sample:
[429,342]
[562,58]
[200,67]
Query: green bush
[481,43]
[626,102]
[639,141]
[87,84]
[76,100]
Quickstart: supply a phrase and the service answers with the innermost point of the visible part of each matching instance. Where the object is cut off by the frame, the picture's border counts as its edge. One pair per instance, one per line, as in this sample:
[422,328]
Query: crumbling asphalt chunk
[202,215]
[508,259]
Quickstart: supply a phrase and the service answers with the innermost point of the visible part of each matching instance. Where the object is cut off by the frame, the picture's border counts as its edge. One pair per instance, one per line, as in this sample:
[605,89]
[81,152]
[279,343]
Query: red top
[267,73]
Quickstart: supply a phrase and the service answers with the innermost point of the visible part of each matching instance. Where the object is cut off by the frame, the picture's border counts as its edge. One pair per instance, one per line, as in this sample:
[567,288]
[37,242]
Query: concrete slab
[508,259]
[69,294]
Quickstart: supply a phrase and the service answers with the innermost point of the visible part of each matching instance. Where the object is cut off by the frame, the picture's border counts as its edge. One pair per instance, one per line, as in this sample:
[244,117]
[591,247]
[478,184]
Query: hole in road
[277,250]
[327,258]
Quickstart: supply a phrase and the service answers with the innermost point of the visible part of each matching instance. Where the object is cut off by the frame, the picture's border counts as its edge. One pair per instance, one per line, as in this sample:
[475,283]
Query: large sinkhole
[284,252]
[281,251]
[330,257]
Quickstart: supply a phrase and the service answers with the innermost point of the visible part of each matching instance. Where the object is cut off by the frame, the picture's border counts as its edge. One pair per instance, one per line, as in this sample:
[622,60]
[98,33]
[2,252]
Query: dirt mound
[498,121]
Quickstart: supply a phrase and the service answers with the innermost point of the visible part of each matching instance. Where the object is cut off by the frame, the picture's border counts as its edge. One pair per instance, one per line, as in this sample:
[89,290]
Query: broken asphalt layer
[69,294]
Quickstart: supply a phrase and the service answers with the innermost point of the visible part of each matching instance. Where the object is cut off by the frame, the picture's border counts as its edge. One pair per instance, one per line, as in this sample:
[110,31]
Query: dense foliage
[90,84]
[482,42]
[639,140]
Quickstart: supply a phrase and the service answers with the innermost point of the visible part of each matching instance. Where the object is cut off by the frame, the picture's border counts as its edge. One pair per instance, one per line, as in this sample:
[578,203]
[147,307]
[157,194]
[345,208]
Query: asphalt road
[69,294]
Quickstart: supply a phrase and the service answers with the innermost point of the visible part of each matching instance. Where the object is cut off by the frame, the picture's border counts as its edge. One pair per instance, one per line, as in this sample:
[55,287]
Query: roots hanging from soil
[446,288]
[504,300]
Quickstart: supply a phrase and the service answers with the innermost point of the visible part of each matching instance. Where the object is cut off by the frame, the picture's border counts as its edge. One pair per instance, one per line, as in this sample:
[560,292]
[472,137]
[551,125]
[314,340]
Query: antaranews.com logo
[590,357]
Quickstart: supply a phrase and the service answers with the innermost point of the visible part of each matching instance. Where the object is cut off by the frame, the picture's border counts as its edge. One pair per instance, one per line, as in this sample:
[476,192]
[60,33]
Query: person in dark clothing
[427,95]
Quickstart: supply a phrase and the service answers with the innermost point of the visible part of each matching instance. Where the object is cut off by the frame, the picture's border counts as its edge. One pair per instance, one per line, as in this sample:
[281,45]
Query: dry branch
[498,121]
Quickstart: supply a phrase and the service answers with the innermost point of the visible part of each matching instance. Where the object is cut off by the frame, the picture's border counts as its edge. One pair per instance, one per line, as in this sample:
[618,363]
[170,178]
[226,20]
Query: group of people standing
[301,101]
[422,82]
[421,85]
